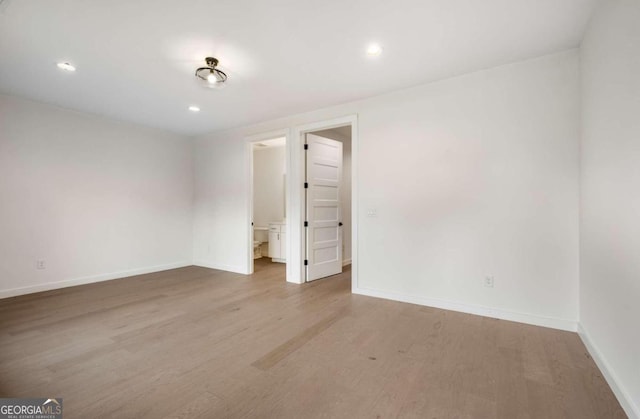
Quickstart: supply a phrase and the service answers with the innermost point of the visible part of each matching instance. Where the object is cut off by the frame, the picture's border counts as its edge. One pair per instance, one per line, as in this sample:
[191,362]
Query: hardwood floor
[200,343]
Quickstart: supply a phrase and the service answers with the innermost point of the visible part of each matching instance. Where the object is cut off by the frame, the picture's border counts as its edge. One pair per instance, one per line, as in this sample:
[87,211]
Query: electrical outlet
[40,264]
[488,281]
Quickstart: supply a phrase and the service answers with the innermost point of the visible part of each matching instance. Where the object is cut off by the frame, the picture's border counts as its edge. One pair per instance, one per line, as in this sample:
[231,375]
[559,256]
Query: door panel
[323,234]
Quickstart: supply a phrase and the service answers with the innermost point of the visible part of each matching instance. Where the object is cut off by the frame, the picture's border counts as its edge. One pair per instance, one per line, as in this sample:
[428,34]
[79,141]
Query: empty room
[319,209]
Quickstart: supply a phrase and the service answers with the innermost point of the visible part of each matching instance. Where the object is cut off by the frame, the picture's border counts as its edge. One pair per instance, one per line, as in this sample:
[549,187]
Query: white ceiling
[136,59]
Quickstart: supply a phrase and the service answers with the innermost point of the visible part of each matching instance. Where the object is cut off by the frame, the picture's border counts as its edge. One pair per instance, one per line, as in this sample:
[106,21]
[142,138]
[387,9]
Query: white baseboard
[631,409]
[221,267]
[555,323]
[89,279]
[346,262]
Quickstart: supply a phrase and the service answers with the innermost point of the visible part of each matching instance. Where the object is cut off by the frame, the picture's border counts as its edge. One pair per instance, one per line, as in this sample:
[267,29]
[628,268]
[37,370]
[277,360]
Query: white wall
[94,198]
[610,196]
[471,176]
[345,192]
[269,168]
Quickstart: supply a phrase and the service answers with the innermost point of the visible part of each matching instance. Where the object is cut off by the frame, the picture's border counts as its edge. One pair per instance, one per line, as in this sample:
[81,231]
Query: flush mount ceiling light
[66,67]
[210,75]
[373,50]
[194,108]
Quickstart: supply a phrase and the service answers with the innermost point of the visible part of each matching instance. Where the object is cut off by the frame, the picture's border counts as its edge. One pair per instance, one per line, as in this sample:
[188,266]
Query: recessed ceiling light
[66,67]
[194,108]
[373,50]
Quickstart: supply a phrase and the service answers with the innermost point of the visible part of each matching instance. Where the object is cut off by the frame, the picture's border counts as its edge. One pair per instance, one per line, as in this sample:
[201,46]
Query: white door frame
[250,140]
[295,194]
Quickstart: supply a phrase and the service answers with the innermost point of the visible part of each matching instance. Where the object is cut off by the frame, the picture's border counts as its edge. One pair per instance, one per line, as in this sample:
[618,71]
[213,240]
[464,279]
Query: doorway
[297,211]
[295,237]
[327,200]
[268,242]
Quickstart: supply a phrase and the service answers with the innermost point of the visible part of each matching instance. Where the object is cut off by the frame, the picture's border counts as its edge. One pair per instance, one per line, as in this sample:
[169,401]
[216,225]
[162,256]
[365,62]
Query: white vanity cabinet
[278,242]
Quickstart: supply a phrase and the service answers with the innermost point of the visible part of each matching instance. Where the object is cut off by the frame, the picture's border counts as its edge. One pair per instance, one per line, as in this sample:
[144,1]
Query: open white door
[323,232]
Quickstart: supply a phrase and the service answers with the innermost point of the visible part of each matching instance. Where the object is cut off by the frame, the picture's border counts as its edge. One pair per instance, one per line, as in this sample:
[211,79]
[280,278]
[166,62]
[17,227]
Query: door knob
[340,224]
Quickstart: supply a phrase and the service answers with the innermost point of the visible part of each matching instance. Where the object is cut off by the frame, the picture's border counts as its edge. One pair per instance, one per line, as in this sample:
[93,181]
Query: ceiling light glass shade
[66,67]
[210,76]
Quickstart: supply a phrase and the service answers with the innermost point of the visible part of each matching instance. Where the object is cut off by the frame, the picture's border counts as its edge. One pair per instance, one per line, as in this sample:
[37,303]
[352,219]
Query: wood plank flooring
[201,343]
